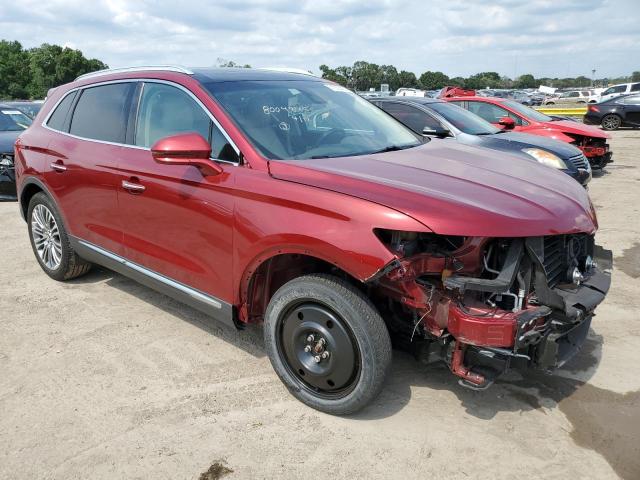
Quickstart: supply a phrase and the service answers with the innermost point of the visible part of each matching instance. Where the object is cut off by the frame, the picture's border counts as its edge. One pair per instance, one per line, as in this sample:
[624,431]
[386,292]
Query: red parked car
[510,114]
[283,199]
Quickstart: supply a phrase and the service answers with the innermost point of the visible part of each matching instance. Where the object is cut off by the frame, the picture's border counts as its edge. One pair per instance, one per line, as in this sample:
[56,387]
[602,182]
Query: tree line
[30,73]
[364,75]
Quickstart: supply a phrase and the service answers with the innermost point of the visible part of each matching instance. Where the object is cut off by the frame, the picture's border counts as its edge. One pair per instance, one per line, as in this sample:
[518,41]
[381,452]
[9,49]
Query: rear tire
[50,241]
[327,343]
[611,122]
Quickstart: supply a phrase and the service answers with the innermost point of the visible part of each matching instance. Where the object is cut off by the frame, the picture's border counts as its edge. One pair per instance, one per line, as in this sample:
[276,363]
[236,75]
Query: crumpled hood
[567,126]
[7,139]
[519,140]
[455,189]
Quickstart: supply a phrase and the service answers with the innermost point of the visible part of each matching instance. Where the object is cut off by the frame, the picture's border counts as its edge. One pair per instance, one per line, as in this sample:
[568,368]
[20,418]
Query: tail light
[593,108]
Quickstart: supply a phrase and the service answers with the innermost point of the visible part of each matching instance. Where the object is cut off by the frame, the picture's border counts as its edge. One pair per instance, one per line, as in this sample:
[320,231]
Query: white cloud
[544,37]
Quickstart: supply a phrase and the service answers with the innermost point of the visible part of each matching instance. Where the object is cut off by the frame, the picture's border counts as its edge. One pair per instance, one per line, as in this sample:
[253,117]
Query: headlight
[546,158]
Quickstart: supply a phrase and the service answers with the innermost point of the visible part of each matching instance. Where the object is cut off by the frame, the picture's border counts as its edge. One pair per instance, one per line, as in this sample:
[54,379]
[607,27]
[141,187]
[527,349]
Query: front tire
[327,343]
[50,241]
[611,122]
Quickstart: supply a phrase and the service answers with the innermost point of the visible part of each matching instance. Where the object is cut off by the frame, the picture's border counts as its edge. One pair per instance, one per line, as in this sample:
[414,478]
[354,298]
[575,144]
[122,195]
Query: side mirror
[507,122]
[439,132]
[186,149]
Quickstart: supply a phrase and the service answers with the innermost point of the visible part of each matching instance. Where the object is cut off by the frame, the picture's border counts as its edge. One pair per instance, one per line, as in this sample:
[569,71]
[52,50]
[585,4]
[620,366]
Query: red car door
[82,160]
[177,223]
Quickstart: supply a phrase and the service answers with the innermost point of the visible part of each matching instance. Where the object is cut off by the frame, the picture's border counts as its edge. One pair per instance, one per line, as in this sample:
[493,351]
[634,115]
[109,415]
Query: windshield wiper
[393,148]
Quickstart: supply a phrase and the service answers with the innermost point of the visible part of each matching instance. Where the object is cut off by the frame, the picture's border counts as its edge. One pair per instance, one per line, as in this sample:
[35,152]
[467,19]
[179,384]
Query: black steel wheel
[327,343]
[319,349]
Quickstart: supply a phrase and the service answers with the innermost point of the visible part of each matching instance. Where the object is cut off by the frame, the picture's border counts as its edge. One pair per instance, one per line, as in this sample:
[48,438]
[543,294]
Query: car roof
[250,74]
[403,99]
[481,99]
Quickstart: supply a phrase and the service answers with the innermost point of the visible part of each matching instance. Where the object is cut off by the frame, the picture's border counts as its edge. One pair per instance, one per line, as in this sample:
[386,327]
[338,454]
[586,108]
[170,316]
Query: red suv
[509,114]
[280,198]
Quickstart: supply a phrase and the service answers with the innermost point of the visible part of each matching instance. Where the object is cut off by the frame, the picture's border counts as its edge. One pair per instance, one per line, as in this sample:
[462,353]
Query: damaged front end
[484,304]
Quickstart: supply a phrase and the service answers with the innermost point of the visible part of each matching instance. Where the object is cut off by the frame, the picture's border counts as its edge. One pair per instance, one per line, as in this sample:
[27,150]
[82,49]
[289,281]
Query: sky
[548,38]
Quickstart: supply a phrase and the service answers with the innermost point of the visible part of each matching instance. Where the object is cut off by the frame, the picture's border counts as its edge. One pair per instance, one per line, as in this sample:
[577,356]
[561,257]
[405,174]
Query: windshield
[527,112]
[13,120]
[463,120]
[309,119]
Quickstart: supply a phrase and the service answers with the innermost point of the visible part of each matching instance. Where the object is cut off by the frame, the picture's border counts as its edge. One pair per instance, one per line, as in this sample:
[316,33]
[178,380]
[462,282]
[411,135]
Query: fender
[319,250]
[32,180]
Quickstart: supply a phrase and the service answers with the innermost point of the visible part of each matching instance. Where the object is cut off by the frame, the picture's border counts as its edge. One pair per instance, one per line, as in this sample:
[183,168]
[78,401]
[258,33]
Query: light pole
[593,77]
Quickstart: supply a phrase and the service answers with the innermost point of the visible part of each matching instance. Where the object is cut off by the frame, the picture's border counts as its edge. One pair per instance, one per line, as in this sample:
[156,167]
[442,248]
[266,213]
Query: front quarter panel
[275,217]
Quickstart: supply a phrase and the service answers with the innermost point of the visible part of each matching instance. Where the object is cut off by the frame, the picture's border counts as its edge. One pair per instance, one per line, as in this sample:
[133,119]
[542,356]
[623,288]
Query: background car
[622,111]
[573,96]
[29,108]
[12,123]
[508,114]
[441,119]
[620,89]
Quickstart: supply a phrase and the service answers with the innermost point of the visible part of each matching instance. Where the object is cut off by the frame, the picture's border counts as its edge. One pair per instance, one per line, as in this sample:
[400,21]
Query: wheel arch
[270,270]
[30,187]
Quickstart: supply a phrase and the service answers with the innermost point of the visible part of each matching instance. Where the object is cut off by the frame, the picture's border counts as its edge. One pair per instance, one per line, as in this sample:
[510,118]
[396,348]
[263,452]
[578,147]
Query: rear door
[492,113]
[178,223]
[82,160]
[414,118]
[632,109]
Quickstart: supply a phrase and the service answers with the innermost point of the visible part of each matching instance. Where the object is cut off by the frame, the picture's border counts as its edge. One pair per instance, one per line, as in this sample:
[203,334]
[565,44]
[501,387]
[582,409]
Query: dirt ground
[104,378]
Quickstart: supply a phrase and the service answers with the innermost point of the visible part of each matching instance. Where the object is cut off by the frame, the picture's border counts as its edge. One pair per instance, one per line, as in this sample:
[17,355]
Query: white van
[620,89]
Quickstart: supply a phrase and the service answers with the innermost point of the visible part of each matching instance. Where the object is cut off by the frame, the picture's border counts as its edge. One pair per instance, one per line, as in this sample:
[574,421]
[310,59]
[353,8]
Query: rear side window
[635,87]
[101,113]
[59,119]
[415,119]
[632,100]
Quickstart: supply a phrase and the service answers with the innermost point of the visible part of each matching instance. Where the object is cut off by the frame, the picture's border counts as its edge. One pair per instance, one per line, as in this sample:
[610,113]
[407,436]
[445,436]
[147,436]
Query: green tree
[221,62]
[14,70]
[365,75]
[388,74]
[526,81]
[53,65]
[433,80]
[635,76]
[407,79]
[341,75]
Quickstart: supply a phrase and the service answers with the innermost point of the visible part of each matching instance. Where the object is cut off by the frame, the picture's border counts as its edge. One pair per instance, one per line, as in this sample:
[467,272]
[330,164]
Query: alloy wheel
[611,122]
[46,236]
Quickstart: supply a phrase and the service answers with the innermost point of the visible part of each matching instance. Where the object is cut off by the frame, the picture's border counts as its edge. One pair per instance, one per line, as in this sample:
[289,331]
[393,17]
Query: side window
[164,111]
[460,104]
[60,116]
[412,117]
[492,113]
[632,100]
[635,87]
[101,113]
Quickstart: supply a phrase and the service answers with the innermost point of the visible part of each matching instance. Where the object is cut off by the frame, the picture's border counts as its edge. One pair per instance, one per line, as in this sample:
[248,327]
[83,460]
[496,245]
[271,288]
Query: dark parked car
[445,120]
[622,111]
[282,199]
[12,123]
[29,108]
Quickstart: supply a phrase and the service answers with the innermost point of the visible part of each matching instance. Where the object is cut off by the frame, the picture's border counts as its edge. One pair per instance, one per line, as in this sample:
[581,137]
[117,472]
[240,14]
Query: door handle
[133,187]
[58,167]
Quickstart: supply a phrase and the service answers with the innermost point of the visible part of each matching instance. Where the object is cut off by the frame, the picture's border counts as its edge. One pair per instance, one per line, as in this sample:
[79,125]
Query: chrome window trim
[198,295]
[138,80]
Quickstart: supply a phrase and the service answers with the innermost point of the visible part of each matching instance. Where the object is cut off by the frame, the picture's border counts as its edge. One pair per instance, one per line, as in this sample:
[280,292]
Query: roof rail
[154,68]
[288,70]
